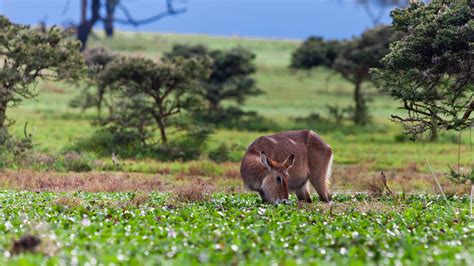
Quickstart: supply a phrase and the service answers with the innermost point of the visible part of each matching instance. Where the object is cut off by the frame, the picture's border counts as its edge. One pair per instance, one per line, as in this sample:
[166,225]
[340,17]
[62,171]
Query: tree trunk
[3,117]
[85,28]
[83,11]
[109,19]
[434,129]
[162,127]
[214,106]
[360,112]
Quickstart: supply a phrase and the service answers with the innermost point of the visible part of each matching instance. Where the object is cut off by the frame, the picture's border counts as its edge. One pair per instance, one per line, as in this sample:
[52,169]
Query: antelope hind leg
[303,194]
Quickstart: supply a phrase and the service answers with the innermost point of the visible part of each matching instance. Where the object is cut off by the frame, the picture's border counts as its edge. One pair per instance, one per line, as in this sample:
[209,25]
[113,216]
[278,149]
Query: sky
[277,19]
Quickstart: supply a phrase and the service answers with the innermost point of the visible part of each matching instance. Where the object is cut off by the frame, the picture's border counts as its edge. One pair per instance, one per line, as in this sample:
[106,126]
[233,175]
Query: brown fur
[312,162]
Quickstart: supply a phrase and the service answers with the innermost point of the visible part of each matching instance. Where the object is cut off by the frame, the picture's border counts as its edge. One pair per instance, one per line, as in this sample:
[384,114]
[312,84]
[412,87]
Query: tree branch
[171,11]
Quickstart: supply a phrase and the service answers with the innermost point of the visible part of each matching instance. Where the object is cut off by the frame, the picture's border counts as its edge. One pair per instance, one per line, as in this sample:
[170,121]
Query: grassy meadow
[235,229]
[288,95]
[148,212]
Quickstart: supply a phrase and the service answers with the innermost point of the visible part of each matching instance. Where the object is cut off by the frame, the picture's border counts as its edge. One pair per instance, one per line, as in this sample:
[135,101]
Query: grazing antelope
[276,164]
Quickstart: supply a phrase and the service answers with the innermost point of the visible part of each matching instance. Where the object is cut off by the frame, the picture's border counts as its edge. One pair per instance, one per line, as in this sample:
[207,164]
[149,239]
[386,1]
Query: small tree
[94,90]
[315,51]
[353,61]
[230,77]
[431,69]
[357,57]
[143,94]
[27,55]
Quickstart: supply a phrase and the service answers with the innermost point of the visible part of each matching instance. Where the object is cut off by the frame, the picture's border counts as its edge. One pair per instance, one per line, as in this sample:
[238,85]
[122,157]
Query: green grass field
[235,229]
[288,95]
[148,212]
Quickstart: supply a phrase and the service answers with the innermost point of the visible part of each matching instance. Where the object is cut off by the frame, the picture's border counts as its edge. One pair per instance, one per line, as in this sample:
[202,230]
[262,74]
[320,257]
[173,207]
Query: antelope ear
[289,161]
[264,160]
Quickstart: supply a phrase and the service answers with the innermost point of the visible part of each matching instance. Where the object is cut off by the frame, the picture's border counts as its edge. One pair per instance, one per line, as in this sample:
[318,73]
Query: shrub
[104,142]
[315,51]
[230,77]
[92,94]
[188,147]
[192,193]
[235,118]
[75,162]
[338,114]
[12,148]
[220,154]
[205,168]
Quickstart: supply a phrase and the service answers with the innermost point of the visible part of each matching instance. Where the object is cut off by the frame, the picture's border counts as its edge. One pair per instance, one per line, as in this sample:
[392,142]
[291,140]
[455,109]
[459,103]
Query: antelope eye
[279,179]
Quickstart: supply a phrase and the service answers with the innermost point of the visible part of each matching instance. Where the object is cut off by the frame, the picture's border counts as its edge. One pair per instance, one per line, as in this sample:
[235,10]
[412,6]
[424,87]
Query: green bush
[12,149]
[226,153]
[104,142]
[75,162]
[220,154]
[235,118]
[188,147]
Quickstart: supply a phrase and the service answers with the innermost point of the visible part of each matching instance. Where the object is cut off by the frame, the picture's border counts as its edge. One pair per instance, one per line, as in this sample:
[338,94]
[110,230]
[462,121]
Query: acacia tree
[353,61]
[230,77]
[143,94]
[27,55]
[315,51]
[92,94]
[110,18]
[431,69]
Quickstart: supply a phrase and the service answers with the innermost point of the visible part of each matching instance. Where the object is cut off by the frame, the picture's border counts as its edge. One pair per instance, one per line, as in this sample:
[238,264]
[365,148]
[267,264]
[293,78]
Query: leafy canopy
[143,94]
[93,92]
[352,59]
[315,51]
[431,69]
[28,54]
[230,77]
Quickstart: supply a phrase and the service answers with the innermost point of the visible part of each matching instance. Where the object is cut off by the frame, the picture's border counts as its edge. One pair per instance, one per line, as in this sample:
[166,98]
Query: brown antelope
[276,164]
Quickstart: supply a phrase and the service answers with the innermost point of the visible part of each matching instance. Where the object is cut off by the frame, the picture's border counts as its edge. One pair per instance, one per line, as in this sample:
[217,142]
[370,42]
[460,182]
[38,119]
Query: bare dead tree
[110,6]
[375,9]
[86,24]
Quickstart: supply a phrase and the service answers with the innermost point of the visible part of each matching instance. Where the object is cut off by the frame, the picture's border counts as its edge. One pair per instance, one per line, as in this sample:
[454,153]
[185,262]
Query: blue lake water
[280,19]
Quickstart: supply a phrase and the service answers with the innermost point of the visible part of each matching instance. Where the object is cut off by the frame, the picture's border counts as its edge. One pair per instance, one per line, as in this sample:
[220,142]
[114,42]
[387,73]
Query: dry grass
[358,178]
[198,190]
[51,87]
[68,201]
[39,158]
[340,208]
[139,199]
[90,182]
[353,178]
